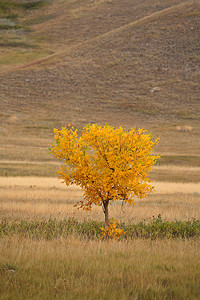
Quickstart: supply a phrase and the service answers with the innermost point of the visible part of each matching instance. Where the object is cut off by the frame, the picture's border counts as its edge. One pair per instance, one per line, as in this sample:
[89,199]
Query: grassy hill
[134,64]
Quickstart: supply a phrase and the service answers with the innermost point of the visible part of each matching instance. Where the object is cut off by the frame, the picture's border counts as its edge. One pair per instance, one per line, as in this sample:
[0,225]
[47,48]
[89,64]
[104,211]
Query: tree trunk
[105,206]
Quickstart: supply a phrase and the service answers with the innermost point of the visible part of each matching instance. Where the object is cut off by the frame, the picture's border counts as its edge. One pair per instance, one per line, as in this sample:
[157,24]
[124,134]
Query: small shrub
[111,231]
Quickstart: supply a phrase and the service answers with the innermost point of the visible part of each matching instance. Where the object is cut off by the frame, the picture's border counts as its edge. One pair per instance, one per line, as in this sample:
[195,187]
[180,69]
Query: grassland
[41,198]
[77,267]
[18,45]
[134,64]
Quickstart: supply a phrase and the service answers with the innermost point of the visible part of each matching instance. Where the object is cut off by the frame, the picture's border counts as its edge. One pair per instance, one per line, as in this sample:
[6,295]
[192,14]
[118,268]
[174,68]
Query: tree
[108,164]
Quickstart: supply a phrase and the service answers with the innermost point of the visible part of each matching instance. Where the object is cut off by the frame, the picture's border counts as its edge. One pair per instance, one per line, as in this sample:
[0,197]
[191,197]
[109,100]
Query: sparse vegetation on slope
[18,45]
[135,65]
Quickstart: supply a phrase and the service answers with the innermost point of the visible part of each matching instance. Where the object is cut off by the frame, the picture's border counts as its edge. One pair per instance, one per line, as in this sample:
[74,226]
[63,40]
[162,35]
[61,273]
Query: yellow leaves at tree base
[111,231]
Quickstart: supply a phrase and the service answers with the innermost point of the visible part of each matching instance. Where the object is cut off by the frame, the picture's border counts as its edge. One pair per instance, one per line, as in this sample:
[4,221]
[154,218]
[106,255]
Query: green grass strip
[52,229]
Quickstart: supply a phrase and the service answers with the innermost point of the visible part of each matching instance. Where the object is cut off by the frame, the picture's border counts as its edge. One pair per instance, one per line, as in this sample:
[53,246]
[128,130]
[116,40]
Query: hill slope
[135,64]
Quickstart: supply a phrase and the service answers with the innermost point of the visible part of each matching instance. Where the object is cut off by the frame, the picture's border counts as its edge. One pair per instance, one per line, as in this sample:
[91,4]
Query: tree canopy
[108,164]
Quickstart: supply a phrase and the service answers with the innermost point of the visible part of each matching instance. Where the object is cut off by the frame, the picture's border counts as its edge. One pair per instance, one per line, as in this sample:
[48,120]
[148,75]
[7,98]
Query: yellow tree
[108,164]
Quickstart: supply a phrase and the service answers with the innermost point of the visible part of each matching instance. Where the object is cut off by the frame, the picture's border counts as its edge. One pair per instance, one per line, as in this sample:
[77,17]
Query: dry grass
[84,269]
[37,161]
[177,174]
[78,269]
[42,198]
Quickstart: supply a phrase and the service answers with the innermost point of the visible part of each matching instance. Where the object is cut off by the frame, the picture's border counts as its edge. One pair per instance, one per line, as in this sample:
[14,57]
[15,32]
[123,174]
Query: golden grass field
[81,269]
[77,268]
[43,197]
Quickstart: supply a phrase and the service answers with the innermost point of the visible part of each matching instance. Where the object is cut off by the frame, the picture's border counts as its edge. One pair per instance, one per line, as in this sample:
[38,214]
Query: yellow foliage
[108,164]
[111,231]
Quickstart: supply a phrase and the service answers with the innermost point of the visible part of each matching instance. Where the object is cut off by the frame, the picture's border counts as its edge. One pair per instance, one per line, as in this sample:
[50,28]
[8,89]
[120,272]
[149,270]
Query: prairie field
[82,269]
[78,267]
[130,63]
[45,197]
